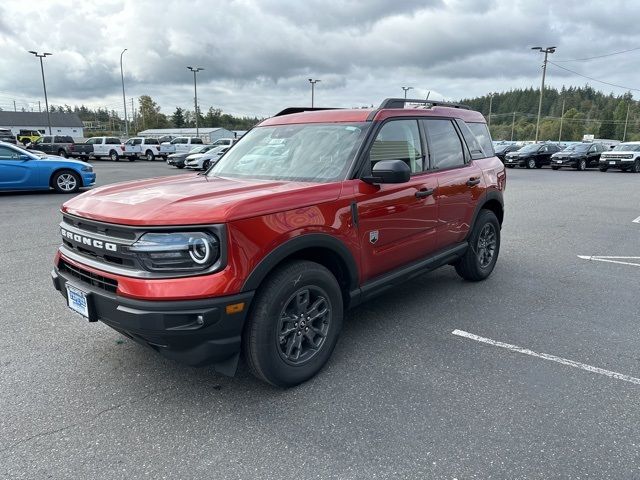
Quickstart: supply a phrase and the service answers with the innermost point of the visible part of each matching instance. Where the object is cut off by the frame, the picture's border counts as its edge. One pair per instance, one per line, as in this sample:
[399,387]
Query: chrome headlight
[87,168]
[178,251]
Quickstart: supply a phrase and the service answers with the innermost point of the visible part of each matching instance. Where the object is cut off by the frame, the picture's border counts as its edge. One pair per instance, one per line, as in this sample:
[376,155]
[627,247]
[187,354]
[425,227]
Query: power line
[594,79]
[599,56]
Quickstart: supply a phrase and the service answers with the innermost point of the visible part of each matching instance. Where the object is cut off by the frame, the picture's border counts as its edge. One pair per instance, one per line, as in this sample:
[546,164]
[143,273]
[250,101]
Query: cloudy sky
[258,54]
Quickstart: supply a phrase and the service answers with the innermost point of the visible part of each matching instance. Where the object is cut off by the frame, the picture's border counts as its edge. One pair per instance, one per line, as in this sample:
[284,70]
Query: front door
[397,222]
[16,173]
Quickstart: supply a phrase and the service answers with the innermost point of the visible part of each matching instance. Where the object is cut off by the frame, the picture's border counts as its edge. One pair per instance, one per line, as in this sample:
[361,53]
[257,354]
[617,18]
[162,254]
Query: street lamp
[195,94]
[406,89]
[546,52]
[124,99]
[44,85]
[491,94]
[313,84]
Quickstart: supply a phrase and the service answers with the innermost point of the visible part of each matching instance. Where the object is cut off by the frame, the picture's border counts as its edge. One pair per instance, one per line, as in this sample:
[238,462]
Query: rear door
[458,176]
[43,144]
[397,222]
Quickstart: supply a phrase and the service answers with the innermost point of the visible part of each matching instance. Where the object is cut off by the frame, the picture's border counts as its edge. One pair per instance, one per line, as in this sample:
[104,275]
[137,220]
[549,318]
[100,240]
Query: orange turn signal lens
[235,308]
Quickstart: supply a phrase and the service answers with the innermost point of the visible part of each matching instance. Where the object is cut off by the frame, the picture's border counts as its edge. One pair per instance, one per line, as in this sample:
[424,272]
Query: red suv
[311,212]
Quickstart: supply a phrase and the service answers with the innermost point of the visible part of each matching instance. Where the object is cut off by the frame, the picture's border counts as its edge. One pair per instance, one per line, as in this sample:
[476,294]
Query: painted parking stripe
[637,220]
[546,356]
[618,260]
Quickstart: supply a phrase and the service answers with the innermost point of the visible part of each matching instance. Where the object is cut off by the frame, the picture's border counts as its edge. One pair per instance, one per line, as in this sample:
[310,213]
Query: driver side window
[399,140]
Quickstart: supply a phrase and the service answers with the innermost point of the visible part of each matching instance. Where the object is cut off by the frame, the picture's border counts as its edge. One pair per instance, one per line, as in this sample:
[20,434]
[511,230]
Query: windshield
[199,149]
[311,152]
[577,147]
[529,148]
[627,147]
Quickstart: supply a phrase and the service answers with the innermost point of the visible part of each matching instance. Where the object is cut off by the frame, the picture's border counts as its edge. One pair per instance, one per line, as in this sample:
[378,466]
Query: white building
[61,123]
[207,134]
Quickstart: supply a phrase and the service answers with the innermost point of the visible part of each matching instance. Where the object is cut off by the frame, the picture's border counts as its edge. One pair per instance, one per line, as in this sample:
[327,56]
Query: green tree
[178,118]
[150,113]
[607,127]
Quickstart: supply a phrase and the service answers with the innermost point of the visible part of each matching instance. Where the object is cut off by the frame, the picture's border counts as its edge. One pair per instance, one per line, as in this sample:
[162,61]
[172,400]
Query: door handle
[473,181]
[424,192]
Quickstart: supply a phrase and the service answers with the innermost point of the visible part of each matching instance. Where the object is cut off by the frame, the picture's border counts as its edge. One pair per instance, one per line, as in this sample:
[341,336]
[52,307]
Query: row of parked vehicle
[603,155]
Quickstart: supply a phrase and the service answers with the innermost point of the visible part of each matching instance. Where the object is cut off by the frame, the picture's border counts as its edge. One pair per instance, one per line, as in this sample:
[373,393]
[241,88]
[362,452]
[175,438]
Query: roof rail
[400,103]
[290,110]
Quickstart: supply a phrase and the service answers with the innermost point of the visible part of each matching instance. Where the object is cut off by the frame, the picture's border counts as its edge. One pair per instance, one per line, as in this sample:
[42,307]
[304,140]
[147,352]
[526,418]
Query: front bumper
[177,162]
[193,332]
[520,162]
[616,163]
[88,179]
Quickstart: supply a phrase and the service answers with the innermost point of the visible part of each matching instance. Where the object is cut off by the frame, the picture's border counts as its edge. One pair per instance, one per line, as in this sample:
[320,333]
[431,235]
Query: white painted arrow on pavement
[618,260]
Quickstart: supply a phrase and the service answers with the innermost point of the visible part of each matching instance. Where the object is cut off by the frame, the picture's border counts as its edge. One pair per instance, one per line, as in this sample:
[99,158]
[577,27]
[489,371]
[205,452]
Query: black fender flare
[482,201]
[296,244]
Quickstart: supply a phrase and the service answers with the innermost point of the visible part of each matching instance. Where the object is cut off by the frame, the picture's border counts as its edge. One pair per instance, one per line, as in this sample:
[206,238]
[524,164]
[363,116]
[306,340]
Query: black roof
[37,119]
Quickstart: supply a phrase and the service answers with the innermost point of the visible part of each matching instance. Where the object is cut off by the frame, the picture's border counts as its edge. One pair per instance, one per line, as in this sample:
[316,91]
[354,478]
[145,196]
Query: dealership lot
[402,396]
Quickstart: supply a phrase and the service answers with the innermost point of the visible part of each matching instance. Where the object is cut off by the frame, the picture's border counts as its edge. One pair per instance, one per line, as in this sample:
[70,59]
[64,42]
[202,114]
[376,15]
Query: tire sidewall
[531,163]
[485,217]
[54,181]
[265,323]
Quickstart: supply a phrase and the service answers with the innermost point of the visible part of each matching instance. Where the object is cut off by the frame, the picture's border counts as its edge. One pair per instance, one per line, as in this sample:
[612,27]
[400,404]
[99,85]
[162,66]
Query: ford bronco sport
[311,212]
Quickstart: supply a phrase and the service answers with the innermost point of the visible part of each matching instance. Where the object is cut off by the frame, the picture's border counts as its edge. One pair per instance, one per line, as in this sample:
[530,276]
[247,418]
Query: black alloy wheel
[531,163]
[206,164]
[582,165]
[481,256]
[487,245]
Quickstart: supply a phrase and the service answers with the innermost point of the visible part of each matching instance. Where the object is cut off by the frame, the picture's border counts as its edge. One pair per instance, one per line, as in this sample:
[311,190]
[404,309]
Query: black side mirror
[389,171]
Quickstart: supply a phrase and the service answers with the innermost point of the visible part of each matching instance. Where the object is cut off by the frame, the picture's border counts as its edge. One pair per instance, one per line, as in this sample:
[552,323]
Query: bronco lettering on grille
[91,242]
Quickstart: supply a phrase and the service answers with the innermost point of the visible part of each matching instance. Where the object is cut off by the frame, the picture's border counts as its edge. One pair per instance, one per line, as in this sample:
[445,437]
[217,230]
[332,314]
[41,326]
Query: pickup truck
[61,145]
[98,147]
[139,147]
[179,145]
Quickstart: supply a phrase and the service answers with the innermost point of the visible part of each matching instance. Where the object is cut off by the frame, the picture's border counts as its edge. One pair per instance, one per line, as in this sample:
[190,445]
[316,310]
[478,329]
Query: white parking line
[637,220]
[546,356]
[608,259]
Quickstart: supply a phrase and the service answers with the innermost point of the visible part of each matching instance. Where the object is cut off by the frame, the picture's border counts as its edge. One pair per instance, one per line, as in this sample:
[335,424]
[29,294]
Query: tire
[149,156]
[531,163]
[555,168]
[180,166]
[581,166]
[603,169]
[293,289]
[113,155]
[63,153]
[636,167]
[206,164]
[26,142]
[474,265]
[66,181]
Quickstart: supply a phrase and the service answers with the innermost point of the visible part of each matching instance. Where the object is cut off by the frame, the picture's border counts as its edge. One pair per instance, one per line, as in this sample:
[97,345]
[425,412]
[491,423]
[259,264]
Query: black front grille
[91,226]
[93,279]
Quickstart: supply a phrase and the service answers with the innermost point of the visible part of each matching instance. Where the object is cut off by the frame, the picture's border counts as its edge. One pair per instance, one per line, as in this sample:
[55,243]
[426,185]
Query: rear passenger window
[481,132]
[470,139]
[444,143]
[399,140]
[151,141]
[112,141]
[196,140]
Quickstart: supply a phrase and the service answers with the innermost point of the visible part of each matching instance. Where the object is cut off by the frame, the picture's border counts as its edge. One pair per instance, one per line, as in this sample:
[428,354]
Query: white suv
[624,156]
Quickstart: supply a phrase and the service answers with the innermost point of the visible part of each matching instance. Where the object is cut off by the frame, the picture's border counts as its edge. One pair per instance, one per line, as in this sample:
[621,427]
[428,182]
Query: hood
[195,199]
[68,161]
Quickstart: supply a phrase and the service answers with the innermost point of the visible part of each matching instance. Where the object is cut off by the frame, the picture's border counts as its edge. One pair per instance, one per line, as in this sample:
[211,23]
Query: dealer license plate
[612,163]
[77,300]
[558,161]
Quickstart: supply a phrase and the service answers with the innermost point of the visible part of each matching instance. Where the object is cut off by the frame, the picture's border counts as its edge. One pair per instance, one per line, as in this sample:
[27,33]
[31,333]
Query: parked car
[202,161]
[624,156]
[61,145]
[224,141]
[534,155]
[100,147]
[579,156]
[21,169]
[6,135]
[263,254]
[26,136]
[147,148]
[501,150]
[180,145]
[178,159]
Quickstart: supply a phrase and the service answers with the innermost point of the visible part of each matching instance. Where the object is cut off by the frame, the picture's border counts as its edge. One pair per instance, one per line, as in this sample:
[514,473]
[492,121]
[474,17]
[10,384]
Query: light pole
[561,119]
[406,89]
[313,85]
[124,99]
[44,85]
[195,94]
[546,52]
[626,121]
[490,107]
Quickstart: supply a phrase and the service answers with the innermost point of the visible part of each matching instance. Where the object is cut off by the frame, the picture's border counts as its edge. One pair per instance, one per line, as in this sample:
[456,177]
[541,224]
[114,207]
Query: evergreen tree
[178,118]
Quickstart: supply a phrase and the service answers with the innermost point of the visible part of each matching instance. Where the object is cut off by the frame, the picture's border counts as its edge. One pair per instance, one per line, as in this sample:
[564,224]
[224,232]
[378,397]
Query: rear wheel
[63,153]
[531,163]
[150,156]
[294,324]
[66,181]
[113,155]
[484,245]
[636,167]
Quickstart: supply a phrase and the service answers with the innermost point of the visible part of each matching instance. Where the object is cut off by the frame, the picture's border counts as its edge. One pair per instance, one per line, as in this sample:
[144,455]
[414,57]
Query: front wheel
[531,163]
[555,168]
[206,164]
[66,181]
[582,165]
[510,166]
[636,167]
[484,245]
[603,169]
[294,324]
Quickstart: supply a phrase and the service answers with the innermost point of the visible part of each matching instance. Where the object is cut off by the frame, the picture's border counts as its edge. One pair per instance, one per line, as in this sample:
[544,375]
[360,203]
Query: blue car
[24,170]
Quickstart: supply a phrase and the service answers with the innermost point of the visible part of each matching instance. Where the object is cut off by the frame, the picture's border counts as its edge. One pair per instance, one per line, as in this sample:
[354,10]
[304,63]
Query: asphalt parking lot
[402,396]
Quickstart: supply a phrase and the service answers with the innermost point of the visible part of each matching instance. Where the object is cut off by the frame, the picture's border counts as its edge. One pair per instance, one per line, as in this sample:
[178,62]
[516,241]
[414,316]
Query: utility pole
[195,94]
[39,107]
[15,109]
[513,125]
[313,85]
[561,118]
[546,52]
[133,114]
[626,121]
[406,89]
[124,99]
[490,107]
[44,85]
